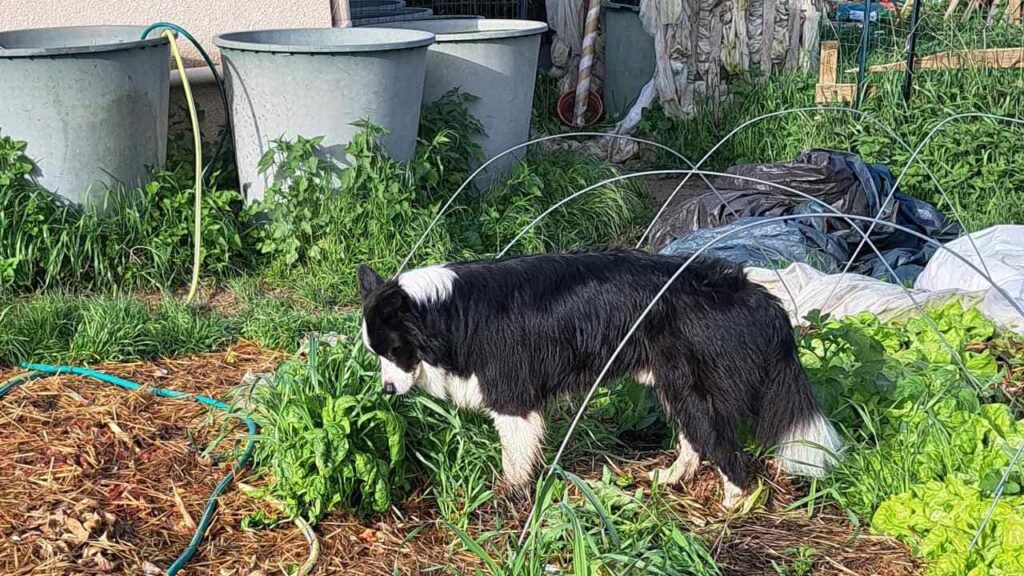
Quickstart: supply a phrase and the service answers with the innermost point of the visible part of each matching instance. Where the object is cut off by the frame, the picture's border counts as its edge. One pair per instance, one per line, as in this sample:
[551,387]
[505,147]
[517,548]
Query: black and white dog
[503,336]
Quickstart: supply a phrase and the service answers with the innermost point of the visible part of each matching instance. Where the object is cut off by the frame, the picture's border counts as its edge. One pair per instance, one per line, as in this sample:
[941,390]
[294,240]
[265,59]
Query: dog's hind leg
[709,434]
[723,449]
[715,435]
[521,440]
[720,445]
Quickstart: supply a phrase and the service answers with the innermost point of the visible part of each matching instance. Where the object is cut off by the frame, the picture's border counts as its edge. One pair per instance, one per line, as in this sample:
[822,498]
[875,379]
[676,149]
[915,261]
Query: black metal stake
[908,74]
[862,68]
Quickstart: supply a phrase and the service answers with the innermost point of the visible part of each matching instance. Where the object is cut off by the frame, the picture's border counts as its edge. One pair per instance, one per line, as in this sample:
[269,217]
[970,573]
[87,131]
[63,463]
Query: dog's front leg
[521,440]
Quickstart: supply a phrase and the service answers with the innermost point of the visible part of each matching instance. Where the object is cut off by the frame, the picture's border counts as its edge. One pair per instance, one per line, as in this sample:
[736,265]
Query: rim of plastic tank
[486,28]
[152,40]
[361,41]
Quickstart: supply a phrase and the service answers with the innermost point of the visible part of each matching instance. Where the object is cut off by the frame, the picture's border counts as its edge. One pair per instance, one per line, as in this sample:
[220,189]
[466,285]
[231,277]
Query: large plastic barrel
[91,103]
[319,82]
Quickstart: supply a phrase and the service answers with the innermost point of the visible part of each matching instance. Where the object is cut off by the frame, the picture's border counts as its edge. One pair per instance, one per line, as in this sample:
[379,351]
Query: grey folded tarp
[843,181]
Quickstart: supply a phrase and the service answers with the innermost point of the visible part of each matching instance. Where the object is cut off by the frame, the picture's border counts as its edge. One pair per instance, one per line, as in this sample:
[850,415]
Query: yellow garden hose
[197,142]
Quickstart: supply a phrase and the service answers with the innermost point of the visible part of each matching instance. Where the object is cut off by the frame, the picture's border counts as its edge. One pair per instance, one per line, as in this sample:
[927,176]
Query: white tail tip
[810,448]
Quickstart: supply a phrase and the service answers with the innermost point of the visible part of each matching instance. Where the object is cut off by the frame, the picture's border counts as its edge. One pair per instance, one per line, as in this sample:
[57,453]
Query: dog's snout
[389,388]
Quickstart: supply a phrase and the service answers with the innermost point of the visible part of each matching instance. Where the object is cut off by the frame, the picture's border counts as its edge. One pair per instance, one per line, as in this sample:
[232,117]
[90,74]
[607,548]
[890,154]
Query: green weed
[612,214]
[280,324]
[140,238]
[460,454]
[60,329]
[800,564]
[327,436]
[595,528]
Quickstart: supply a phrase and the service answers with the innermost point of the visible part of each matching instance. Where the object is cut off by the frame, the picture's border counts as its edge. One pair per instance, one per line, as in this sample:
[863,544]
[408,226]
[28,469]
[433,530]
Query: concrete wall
[203,18]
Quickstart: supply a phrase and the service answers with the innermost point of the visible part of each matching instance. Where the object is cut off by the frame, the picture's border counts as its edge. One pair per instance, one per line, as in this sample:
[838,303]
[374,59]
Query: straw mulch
[97,480]
[769,539]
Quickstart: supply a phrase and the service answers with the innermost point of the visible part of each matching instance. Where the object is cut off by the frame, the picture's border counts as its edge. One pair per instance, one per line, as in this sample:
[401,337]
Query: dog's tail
[790,420]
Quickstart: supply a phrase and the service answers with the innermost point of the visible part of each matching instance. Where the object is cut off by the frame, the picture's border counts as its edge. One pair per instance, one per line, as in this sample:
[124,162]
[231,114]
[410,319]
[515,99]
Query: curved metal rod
[643,315]
[703,173]
[996,497]
[910,162]
[822,203]
[483,166]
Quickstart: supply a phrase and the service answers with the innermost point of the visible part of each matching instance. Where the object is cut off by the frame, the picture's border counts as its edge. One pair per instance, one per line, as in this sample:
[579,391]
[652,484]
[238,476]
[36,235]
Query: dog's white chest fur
[463,392]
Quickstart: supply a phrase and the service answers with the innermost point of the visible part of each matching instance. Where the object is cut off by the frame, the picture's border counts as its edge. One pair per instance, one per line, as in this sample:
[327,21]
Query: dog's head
[393,330]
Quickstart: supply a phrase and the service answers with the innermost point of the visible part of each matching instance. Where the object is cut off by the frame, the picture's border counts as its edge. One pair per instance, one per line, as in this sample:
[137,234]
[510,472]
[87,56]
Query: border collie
[503,336]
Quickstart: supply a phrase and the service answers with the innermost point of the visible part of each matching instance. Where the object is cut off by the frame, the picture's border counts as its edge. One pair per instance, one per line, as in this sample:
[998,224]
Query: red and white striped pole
[586,61]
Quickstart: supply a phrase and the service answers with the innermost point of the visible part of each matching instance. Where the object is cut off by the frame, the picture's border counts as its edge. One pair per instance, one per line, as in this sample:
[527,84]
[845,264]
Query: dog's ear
[369,280]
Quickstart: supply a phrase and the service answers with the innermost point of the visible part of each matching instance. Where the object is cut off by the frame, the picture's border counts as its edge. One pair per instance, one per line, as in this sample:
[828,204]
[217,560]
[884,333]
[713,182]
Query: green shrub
[321,222]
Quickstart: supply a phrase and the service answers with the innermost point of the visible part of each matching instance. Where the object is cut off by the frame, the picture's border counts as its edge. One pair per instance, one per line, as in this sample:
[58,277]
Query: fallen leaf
[185,516]
[369,536]
[94,556]
[109,518]
[91,521]
[78,532]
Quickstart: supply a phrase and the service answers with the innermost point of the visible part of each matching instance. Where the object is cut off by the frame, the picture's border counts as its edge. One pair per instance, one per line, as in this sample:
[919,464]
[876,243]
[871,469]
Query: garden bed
[97,480]
[94,480]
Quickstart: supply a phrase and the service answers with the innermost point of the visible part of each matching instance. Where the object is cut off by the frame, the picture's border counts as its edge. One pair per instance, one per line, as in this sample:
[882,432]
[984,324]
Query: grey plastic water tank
[495,60]
[90,101]
[318,82]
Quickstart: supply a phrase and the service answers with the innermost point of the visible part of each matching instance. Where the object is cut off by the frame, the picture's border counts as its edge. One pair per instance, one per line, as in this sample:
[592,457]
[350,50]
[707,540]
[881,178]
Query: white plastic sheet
[803,288]
[1001,250]
[946,278]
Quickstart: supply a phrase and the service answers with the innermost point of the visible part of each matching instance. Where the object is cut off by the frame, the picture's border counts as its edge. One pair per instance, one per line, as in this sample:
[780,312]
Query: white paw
[733,498]
[666,476]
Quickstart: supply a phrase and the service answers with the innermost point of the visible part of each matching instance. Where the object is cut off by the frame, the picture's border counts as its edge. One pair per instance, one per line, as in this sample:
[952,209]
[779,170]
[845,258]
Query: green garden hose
[201,173]
[45,370]
[216,76]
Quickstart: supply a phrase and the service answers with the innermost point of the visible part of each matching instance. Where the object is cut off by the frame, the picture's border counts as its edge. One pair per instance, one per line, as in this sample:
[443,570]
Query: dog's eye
[403,356]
